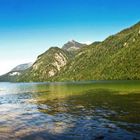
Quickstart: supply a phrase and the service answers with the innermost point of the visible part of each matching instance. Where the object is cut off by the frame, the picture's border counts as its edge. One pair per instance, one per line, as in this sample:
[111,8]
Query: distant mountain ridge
[22,67]
[15,72]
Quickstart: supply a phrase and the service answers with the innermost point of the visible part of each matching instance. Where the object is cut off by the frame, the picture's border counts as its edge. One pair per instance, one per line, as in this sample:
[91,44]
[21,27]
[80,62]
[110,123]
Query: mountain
[115,58]
[21,67]
[73,46]
[47,65]
[15,72]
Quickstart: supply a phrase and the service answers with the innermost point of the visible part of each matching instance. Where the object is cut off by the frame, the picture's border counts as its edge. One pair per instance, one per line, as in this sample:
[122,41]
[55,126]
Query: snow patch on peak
[14,73]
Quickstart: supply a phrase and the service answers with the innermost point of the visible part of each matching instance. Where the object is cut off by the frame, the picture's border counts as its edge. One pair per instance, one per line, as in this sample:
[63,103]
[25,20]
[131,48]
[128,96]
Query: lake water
[93,110]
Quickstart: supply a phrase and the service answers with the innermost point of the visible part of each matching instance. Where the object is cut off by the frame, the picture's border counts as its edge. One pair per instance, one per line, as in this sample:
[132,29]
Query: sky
[30,27]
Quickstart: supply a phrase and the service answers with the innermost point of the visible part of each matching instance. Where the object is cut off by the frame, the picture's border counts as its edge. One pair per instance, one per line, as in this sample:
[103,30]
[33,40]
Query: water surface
[76,110]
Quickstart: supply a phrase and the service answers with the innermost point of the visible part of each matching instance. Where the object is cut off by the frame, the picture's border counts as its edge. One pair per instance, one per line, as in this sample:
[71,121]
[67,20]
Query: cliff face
[47,65]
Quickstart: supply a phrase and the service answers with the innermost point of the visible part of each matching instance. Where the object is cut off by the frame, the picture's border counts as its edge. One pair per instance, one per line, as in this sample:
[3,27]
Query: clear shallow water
[77,110]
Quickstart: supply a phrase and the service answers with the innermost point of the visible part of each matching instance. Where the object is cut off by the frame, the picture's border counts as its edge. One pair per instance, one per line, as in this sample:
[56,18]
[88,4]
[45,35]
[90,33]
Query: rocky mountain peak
[72,45]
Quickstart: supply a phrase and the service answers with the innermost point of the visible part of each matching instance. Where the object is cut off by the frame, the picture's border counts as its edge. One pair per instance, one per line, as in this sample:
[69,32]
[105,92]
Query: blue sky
[30,27]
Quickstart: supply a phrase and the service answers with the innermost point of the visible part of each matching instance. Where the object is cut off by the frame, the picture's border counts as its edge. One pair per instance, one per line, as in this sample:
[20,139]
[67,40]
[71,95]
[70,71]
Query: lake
[88,110]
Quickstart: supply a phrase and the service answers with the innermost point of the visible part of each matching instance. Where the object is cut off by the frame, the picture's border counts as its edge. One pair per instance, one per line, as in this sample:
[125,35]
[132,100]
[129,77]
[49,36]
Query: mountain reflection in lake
[77,110]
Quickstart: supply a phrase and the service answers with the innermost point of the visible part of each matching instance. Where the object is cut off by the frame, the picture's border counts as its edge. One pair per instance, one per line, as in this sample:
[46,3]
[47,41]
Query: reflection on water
[79,110]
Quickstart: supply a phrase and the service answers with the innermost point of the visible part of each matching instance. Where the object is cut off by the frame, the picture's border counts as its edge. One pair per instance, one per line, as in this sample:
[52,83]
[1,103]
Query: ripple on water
[24,117]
